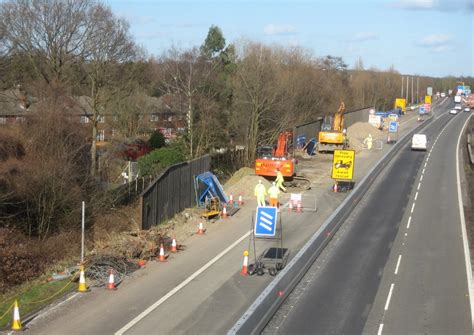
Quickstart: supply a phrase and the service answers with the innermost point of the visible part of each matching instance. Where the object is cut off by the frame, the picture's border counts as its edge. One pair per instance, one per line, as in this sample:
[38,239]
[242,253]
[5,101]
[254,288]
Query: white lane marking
[380,329]
[412,208]
[398,264]
[389,296]
[408,224]
[467,257]
[419,185]
[426,163]
[421,178]
[179,287]
[416,196]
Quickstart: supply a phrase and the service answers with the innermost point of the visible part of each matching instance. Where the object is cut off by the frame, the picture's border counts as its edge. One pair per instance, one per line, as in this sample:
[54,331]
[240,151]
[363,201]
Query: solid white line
[416,196]
[467,256]
[398,264]
[412,208]
[179,287]
[408,224]
[389,296]
[380,329]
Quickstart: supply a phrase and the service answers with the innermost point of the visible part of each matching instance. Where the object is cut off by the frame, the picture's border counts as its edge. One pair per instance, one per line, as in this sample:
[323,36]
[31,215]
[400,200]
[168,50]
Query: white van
[419,142]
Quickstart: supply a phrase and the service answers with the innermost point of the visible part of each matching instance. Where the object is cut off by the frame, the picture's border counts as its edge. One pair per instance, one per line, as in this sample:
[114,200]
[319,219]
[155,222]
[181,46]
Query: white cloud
[415,4]
[441,5]
[437,42]
[284,29]
[362,37]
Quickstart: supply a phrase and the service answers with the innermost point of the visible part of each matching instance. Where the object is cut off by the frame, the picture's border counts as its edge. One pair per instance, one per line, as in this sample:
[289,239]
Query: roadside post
[83,230]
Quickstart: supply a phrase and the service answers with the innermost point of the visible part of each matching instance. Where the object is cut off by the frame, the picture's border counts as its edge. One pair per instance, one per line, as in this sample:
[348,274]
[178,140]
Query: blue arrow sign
[421,110]
[393,127]
[265,221]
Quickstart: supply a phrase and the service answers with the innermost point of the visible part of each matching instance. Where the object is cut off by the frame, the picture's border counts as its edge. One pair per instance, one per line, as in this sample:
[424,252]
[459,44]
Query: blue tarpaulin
[207,186]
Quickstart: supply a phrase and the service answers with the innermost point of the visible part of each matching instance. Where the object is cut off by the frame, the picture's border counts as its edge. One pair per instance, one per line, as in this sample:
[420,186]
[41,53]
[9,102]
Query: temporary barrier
[302,202]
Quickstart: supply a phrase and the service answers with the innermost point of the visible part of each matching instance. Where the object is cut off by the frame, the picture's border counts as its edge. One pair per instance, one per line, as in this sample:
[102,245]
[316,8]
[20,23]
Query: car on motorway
[419,142]
[443,95]
[458,107]
[467,109]
[453,112]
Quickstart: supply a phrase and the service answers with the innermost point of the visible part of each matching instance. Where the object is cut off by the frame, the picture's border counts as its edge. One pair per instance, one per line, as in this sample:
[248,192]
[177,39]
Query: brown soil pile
[359,131]
[243,183]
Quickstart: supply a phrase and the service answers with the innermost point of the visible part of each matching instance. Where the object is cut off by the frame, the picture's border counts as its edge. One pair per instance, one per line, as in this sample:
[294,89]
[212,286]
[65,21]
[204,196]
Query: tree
[157,140]
[214,42]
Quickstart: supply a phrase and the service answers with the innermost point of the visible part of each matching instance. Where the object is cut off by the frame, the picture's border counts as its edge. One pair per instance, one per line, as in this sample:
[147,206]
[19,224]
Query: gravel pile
[359,131]
[243,183]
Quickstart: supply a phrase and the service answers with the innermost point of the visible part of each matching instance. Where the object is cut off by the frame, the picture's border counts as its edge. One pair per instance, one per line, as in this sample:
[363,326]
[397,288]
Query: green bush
[160,159]
[157,140]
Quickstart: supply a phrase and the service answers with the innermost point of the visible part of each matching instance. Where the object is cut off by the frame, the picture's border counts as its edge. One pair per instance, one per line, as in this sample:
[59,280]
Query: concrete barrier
[260,312]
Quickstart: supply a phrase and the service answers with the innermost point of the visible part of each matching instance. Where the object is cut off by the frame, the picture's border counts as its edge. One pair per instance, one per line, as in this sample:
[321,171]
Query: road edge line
[467,255]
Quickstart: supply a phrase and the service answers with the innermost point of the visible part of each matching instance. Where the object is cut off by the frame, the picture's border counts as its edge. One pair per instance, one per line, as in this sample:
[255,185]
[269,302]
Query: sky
[417,37]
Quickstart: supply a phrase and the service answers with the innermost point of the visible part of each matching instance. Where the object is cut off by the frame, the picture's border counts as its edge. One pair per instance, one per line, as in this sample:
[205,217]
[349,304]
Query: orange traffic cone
[111,283]
[290,206]
[82,280]
[162,257]
[224,212]
[240,201]
[16,324]
[334,188]
[141,263]
[298,207]
[174,247]
[201,229]
[244,271]
[231,199]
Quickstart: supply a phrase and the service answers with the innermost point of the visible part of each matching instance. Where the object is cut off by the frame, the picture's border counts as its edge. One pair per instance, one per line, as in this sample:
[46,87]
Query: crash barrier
[171,192]
[260,312]
[305,132]
[469,147]
[302,203]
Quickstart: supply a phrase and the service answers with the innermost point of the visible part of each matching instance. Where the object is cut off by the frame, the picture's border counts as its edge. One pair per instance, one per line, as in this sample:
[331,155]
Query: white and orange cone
[298,207]
[16,324]
[111,283]
[334,188]
[162,257]
[231,199]
[174,247]
[82,280]
[201,229]
[240,201]
[224,212]
[245,270]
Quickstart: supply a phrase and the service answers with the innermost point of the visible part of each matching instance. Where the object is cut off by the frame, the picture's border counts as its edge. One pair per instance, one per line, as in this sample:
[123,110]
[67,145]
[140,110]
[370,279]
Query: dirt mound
[359,131]
[246,185]
[238,175]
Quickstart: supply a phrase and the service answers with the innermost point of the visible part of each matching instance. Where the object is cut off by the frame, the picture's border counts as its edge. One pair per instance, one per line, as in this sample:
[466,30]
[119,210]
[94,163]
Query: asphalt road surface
[352,288]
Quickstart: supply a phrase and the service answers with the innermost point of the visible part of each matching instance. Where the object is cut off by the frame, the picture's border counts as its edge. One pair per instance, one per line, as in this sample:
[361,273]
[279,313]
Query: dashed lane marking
[416,196]
[398,264]
[408,224]
[412,208]
[387,303]
[380,329]
[418,187]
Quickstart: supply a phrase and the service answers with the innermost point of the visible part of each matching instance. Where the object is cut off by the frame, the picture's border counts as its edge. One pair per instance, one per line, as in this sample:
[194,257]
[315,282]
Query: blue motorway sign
[265,221]
[393,127]
[421,110]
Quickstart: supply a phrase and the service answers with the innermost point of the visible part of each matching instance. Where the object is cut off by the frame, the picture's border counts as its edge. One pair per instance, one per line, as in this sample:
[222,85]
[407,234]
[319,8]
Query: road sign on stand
[421,110]
[265,221]
[427,108]
[343,164]
[393,127]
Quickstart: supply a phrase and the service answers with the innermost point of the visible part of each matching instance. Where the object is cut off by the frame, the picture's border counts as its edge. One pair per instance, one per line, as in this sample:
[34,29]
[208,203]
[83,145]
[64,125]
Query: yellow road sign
[343,164]
[427,99]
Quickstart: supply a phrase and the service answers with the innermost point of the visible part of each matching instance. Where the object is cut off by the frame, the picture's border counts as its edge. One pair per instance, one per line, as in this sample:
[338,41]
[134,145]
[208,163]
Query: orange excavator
[269,159]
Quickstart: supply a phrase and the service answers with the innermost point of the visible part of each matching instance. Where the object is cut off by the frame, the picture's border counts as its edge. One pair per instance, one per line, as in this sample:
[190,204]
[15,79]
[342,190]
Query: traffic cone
[244,271]
[290,206]
[224,212]
[174,247]
[141,263]
[240,201]
[16,324]
[298,207]
[231,199]
[82,280]
[162,257]
[111,283]
[334,188]
[201,229]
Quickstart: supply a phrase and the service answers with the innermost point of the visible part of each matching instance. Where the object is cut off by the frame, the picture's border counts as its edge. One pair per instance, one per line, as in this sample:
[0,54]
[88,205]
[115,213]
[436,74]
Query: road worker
[279,180]
[260,192]
[368,141]
[273,191]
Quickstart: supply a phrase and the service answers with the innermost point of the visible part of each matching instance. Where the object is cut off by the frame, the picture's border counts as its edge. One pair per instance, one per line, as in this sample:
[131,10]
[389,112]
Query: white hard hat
[273,184]
[259,181]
